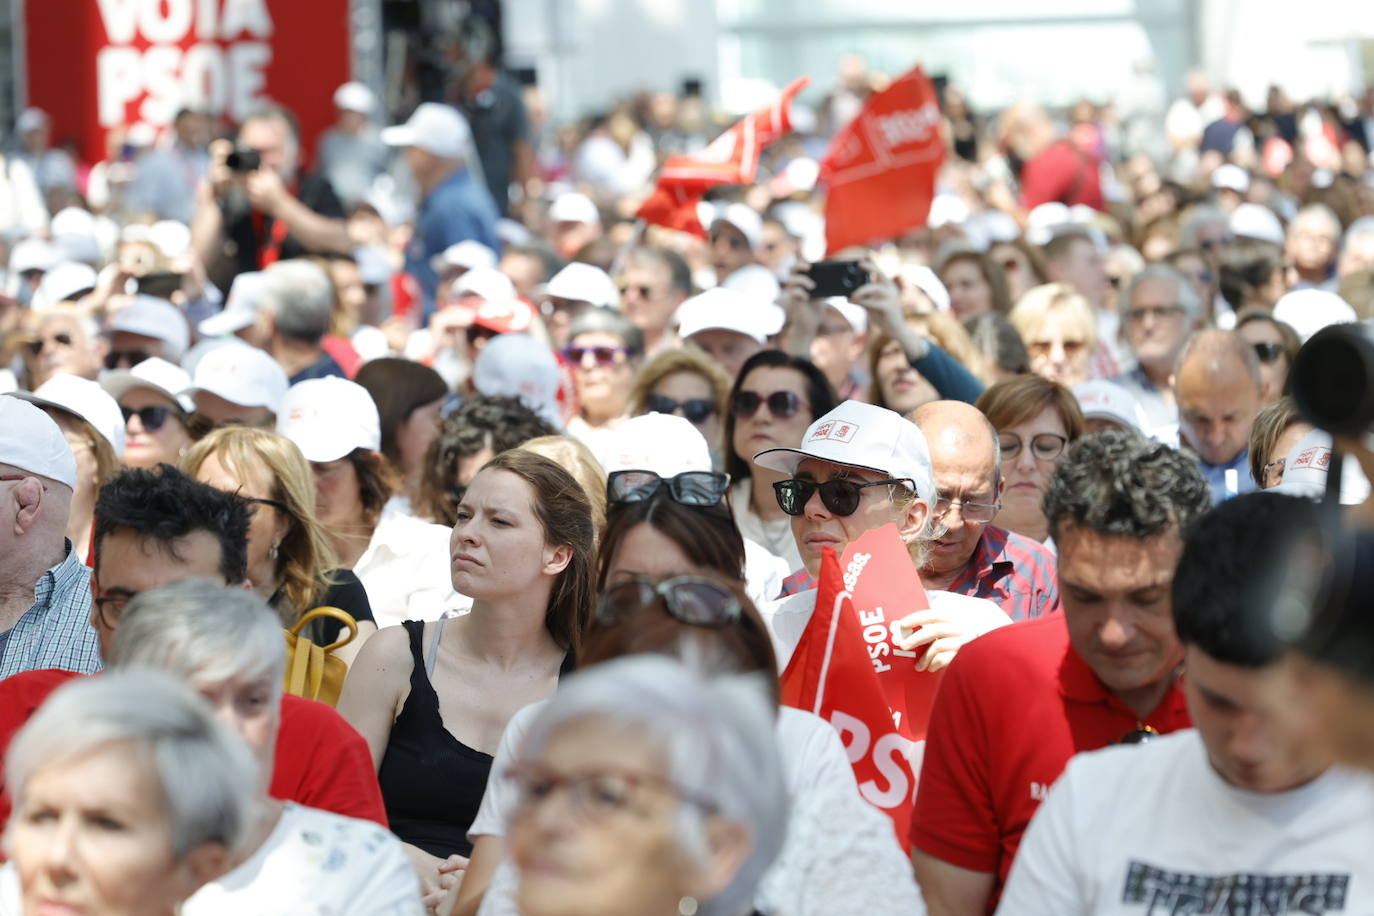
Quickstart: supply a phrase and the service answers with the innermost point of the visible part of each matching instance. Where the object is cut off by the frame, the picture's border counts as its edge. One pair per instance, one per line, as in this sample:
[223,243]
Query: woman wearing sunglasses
[604,347]
[1035,420]
[688,384]
[774,400]
[155,411]
[1276,344]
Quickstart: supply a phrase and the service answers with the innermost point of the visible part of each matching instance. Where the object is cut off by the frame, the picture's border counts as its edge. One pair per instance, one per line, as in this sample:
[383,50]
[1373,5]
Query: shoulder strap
[432,656]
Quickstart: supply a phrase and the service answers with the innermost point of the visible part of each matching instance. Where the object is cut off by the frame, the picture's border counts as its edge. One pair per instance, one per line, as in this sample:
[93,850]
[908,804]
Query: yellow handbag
[312,671]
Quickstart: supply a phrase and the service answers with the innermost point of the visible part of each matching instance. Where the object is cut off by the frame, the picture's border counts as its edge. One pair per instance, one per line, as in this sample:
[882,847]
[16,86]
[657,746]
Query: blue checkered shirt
[56,632]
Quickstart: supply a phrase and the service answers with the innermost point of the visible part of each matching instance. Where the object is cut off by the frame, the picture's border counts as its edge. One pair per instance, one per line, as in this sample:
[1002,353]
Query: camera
[243,159]
[836,278]
[1333,379]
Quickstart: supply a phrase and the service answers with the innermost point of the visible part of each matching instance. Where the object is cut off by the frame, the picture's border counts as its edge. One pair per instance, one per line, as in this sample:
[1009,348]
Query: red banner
[99,65]
[732,158]
[848,670]
[880,169]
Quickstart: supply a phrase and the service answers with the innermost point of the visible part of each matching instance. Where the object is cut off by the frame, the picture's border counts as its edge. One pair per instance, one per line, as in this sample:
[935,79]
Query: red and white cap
[511,316]
[1104,400]
[242,375]
[328,418]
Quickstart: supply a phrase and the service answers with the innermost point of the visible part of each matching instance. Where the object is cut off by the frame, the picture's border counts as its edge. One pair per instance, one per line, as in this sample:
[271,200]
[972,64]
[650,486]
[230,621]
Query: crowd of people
[573,480]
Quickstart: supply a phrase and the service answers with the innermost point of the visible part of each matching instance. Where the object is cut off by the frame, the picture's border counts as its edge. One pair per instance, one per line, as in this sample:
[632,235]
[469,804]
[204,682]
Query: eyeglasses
[1268,352]
[781,404]
[275,504]
[970,512]
[153,417]
[1268,471]
[691,600]
[60,339]
[1141,734]
[601,356]
[116,359]
[695,410]
[594,795]
[840,496]
[1044,446]
[110,608]
[642,290]
[690,488]
[734,241]
[1157,312]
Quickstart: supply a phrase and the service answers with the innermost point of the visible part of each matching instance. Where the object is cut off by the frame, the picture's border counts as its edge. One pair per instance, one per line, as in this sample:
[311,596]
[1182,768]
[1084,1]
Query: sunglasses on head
[839,496]
[691,600]
[690,488]
[1268,352]
[602,356]
[152,417]
[695,410]
[781,404]
[125,359]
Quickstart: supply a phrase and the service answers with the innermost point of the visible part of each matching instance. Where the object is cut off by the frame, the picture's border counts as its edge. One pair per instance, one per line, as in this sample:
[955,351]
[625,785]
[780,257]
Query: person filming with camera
[255,208]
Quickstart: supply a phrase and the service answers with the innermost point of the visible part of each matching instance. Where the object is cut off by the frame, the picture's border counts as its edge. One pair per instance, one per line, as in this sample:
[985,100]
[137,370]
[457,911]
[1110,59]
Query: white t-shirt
[1152,829]
[405,570]
[840,856]
[316,863]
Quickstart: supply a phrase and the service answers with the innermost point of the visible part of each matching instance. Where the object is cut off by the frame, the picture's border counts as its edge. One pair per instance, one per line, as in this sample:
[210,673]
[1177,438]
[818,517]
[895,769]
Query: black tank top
[431,782]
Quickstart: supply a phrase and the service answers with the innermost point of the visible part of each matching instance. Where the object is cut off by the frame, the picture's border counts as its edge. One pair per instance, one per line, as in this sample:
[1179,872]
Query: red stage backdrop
[97,65]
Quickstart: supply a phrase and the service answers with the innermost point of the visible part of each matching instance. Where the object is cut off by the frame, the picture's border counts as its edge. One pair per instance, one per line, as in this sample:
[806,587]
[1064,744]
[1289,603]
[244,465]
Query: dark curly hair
[1120,482]
[485,421]
[162,504]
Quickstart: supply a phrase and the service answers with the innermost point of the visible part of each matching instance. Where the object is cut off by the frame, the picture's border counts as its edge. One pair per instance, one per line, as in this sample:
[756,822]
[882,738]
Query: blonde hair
[304,557]
[574,457]
[671,362]
[1033,308]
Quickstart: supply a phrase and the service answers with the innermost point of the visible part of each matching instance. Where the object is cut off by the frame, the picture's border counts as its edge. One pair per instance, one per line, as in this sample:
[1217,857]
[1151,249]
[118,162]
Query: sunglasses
[601,356]
[781,404]
[152,418]
[61,340]
[840,496]
[116,359]
[1268,352]
[695,410]
[1044,446]
[690,488]
[691,600]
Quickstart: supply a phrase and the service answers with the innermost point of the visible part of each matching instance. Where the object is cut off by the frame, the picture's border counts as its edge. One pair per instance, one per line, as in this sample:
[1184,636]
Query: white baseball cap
[928,282]
[242,375]
[1256,221]
[172,237]
[468,253]
[435,128]
[856,316]
[328,418]
[486,282]
[31,119]
[572,207]
[663,443]
[1310,310]
[742,216]
[85,399]
[354,96]
[584,283]
[167,379]
[726,310]
[518,366]
[862,436]
[240,308]
[32,442]
[755,281]
[1104,400]
[62,282]
[32,254]
[1232,177]
[149,316]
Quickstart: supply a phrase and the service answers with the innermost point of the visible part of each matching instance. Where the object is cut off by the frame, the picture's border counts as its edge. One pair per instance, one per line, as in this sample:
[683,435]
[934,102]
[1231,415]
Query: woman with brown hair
[976,284]
[410,401]
[1035,420]
[432,699]
[686,383]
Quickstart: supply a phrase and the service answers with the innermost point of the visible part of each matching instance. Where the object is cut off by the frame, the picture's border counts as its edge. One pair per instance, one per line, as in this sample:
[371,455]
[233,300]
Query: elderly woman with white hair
[129,797]
[646,790]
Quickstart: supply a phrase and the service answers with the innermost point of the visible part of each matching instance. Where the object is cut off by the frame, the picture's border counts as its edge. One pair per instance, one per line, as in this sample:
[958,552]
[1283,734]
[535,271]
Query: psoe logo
[836,430]
[1039,791]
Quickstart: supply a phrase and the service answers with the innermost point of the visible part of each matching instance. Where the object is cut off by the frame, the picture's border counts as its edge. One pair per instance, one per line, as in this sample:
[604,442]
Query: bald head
[966,459]
[957,426]
[1219,390]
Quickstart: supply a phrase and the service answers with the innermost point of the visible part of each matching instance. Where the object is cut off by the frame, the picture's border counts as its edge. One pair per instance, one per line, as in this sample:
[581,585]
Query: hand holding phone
[836,278]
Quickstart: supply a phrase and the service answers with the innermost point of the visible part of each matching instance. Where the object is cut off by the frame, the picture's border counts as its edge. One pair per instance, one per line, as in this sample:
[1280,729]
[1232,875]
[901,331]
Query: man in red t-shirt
[1017,703]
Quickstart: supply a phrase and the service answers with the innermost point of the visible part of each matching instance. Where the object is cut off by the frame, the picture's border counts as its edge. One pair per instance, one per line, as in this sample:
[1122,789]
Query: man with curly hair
[1017,703]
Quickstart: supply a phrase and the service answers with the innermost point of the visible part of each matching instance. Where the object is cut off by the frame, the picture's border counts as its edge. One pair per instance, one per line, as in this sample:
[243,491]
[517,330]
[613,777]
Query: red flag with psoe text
[732,158]
[880,169]
[848,669]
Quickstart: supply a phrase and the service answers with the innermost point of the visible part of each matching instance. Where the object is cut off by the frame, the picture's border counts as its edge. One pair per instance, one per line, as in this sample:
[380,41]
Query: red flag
[732,158]
[880,169]
[848,670]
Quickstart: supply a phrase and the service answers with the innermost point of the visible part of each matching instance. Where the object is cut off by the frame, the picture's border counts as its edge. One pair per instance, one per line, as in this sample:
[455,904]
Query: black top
[246,233]
[346,594]
[323,367]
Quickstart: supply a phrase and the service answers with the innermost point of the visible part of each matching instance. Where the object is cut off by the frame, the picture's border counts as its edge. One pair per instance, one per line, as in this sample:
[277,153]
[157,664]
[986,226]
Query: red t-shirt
[1013,707]
[1062,173]
[321,760]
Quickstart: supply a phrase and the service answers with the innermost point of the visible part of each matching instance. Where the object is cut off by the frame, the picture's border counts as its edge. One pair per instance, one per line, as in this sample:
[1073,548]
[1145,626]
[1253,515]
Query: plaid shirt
[56,632]
[1013,572]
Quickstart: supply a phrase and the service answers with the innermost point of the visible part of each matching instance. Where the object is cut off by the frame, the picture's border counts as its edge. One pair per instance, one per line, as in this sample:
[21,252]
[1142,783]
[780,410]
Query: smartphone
[160,285]
[836,278]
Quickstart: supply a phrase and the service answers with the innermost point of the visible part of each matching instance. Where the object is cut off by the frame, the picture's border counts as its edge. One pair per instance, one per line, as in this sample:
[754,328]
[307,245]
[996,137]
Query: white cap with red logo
[242,375]
[862,436]
[329,417]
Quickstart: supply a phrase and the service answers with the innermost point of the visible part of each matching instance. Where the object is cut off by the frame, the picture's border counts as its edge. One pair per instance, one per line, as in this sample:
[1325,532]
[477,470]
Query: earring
[272,553]
[687,906]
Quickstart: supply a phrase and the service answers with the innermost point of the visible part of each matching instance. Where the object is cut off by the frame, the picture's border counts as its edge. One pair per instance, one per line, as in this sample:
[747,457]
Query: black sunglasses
[840,496]
[781,404]
[62,340]
[153,417]
[695,410]
[1268,352]
[128,358]
[691,600]
[690,488]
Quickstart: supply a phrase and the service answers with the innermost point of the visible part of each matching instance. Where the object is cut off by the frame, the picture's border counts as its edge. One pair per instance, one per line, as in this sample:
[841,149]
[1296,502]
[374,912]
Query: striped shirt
[56,632]
[1013,572]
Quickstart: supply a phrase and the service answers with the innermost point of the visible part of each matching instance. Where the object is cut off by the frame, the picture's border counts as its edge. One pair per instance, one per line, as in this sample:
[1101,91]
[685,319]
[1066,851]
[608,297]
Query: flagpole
[634,241]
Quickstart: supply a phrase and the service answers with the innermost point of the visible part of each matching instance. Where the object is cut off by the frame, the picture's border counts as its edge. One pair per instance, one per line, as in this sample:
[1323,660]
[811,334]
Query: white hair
[718,741]
[198,629]
[300,295]
[1318,212]
[1187,295]
[207,776]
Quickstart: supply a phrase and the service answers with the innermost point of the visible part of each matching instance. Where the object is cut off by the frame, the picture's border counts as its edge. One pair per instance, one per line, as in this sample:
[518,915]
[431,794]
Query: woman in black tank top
[433,699]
